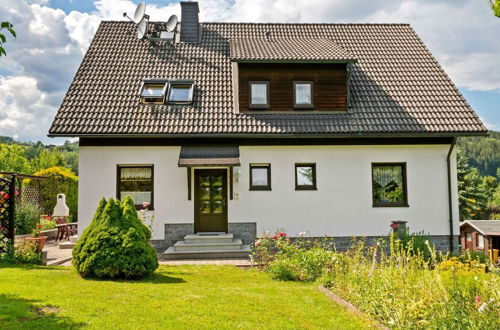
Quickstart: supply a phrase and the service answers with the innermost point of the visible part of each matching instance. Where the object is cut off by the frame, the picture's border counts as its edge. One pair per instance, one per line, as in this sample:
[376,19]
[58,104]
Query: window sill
[390,205]
[140,208]
[306,188]
[260,189]
[259,107]
[303,107]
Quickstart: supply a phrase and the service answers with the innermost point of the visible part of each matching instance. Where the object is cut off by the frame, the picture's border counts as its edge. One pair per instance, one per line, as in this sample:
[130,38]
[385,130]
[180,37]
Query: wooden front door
[210,200]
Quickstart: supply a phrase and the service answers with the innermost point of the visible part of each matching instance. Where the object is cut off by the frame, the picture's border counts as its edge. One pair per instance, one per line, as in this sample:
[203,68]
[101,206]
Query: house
[242,128]
[480,236]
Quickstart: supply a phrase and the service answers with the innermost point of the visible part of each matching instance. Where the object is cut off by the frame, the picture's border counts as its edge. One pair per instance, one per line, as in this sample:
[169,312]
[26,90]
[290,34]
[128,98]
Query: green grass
[181,297]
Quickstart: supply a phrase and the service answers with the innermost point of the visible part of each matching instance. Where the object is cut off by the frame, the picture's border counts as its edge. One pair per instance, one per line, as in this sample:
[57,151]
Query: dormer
[290,74]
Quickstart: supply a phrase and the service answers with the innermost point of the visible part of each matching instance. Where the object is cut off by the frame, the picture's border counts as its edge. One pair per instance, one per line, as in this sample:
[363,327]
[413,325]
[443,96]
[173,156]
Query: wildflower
[478,301]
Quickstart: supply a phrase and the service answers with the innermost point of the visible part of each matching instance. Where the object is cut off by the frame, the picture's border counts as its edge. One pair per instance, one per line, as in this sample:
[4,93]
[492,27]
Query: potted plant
[37,239]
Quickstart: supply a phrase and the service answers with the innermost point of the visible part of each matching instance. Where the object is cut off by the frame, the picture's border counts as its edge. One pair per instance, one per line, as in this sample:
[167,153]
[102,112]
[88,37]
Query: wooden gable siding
[329,81]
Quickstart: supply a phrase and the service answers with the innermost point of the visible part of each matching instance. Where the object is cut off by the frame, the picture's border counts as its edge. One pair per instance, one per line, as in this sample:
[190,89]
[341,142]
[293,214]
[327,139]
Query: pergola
[11,192]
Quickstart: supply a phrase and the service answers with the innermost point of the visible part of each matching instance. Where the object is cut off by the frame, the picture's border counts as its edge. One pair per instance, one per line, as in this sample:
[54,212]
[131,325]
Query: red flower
[6,196]
[282,234]
[275,237]
[394,226]
[39,226]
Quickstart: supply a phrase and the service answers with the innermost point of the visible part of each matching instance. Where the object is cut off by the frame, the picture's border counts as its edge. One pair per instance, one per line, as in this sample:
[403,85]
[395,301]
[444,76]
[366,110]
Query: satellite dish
[139,13]
[142,28]
[172,23]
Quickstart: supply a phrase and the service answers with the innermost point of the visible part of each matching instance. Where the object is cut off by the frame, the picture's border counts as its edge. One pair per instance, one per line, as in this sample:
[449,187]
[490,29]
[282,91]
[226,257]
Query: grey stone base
[175,232]
[440,242]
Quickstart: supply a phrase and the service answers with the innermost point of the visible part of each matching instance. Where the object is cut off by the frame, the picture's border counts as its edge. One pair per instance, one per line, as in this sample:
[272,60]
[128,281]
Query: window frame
[267,187]
[480,238]
[268,96]
[303,106]
[172,83]
[118,180]
[306,187]
[153,99]
[405,186]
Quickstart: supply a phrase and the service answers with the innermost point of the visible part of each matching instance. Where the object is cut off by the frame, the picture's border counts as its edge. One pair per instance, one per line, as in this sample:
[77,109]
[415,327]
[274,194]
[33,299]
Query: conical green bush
[116,244]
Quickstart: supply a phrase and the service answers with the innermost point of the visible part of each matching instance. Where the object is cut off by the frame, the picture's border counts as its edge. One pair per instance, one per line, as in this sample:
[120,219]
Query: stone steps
[208,246]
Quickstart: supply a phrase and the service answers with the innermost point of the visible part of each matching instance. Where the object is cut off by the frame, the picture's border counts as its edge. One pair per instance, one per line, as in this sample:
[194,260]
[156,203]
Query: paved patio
[55,255]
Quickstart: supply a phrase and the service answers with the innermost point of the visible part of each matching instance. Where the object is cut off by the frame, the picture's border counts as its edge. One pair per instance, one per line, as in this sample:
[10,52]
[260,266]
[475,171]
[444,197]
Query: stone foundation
[175,232]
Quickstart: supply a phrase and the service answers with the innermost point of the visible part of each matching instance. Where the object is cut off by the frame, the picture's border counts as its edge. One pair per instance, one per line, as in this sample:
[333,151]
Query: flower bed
[403,287]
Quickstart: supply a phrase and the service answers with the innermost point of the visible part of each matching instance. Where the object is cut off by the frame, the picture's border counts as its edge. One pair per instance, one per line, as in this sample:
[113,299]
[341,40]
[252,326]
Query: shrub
[59,180]
[116,244]
[47,224]
[27,216]
[25,252]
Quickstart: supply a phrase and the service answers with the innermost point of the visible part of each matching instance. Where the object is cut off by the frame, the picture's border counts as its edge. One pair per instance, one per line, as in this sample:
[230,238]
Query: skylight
[181,91]
[153,91]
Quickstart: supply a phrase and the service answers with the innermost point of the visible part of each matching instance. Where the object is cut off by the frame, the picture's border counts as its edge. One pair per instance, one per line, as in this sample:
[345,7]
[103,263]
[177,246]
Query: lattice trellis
[5,218]
[30,195]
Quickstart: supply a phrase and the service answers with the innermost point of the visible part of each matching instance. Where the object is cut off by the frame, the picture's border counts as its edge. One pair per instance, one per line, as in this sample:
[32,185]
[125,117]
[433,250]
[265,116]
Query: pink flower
[146,205]
[275,237]
[282,234]
[257,243]
[394,226]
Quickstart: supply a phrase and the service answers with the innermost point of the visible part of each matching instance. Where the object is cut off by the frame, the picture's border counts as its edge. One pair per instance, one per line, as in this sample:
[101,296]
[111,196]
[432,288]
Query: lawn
[183,297]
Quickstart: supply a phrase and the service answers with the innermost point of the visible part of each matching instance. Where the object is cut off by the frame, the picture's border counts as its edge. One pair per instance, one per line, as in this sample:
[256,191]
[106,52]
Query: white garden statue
[61,209]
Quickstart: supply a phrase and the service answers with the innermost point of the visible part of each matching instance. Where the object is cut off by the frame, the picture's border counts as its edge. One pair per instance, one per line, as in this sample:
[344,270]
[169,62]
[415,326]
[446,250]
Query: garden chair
[62,228]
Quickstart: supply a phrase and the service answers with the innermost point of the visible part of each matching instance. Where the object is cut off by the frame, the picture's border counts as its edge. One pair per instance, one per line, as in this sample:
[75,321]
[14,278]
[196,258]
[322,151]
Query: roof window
[153,91]
[181,92]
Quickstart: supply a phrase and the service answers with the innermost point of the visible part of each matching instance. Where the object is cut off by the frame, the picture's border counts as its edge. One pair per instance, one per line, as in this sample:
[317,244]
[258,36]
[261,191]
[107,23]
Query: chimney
[190,23]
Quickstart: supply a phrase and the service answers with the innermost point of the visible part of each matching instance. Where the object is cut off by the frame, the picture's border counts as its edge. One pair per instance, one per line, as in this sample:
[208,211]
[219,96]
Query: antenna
[139,12]
[172,23]
[142,27]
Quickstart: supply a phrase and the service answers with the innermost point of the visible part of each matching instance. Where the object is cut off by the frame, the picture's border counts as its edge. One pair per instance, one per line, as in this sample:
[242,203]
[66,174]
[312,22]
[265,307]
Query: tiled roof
[485,227]
[397,87]
[287,49]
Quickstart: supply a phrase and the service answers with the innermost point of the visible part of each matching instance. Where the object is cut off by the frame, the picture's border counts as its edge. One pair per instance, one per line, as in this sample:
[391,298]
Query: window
[260,176]
[303,94]
[389,184]
[469,237]
[153,91]
[181,91]
[259,94]
[305,177]
[136,182]
[480,241]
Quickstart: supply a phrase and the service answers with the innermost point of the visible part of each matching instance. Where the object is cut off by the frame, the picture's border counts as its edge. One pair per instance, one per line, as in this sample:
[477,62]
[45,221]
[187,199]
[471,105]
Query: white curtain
[384,175]
[136,173]
[303,93]
[138,197]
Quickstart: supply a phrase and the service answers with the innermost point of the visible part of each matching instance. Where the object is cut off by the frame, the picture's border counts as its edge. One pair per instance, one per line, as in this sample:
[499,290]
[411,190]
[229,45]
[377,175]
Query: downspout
[450,195]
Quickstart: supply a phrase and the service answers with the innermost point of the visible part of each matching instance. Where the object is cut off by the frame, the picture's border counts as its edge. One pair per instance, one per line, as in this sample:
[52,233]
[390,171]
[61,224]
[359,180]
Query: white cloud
[50,43]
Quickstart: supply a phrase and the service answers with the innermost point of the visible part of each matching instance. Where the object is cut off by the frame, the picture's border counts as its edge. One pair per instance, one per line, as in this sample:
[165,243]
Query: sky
[53,36]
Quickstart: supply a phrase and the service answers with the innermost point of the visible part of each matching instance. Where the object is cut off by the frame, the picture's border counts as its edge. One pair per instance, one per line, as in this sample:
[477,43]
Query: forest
[478,168]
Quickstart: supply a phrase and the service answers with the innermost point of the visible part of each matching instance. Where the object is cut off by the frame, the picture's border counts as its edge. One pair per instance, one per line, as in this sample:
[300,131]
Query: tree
[13,159]
[3,39]
[471,196]
[115,244]
[495,5]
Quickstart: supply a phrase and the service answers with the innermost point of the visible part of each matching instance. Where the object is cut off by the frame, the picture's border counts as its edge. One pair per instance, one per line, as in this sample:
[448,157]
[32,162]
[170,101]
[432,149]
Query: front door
[210,200]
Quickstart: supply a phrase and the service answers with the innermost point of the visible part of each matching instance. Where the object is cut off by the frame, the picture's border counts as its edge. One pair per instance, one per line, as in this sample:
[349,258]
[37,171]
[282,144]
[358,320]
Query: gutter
[450,195]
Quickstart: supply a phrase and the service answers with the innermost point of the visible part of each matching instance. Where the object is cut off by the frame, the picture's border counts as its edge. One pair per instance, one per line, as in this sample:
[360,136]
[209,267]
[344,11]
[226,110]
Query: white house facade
[331,130]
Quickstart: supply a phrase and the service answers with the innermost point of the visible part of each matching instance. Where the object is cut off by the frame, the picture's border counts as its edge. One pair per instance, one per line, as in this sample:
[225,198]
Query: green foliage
[47,224]
[25,252]
[29,157]
[495,5]
[116,244]
[472,197]
[59,180]
[27,217]
[13,159]
[3,39]
[482,153]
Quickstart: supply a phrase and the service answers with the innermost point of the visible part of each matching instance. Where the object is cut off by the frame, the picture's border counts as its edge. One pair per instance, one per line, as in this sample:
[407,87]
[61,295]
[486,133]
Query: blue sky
[53,36]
